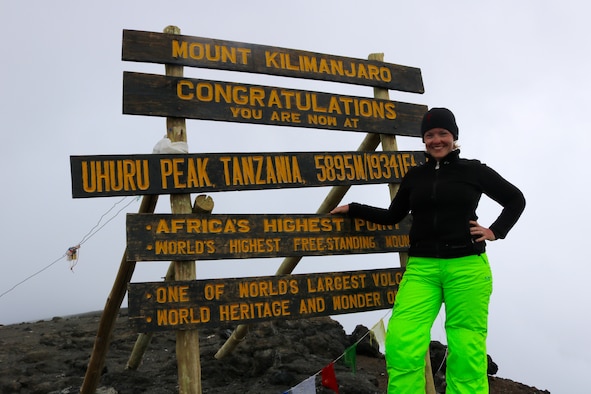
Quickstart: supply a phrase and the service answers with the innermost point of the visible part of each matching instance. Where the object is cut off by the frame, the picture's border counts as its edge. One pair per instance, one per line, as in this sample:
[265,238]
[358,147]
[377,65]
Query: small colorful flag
[350,357]
[379,333]
[329,379]
[308,386]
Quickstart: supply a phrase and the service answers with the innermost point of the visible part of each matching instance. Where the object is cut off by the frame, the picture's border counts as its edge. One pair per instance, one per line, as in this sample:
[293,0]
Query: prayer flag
[379,333]
[329,379]
[308,386]
[350,357]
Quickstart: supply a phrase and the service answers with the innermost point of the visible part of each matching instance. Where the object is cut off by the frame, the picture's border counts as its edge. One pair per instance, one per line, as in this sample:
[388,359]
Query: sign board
[141,46]
[125,175]
[180,237]
[159,95]
[158,306]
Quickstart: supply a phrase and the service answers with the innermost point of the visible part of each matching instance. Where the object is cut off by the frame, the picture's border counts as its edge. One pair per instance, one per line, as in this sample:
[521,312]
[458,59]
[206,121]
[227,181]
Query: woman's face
[438,142]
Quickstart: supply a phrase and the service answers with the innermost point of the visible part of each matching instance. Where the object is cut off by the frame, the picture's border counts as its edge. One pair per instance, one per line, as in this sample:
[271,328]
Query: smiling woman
[447,260]
[439,143]
[440,132]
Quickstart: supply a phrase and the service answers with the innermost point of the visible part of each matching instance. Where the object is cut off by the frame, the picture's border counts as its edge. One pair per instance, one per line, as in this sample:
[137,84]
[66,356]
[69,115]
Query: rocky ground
[51,357]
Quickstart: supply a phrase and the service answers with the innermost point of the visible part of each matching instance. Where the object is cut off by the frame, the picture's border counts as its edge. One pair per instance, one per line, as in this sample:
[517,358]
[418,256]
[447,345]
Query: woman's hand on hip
[483,233]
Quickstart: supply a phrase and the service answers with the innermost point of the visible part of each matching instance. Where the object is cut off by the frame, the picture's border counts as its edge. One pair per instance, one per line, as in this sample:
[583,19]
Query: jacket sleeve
[507,195]
[399,208]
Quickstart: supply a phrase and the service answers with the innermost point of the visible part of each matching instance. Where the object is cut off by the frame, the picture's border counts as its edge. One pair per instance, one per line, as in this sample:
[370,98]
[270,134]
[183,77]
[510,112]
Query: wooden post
[187,341]
[333,198]
[203,204]
[110,312]
[389,144]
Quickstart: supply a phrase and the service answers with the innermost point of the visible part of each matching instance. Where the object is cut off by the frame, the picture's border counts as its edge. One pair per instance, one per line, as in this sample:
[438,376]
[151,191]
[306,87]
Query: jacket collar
[451,157]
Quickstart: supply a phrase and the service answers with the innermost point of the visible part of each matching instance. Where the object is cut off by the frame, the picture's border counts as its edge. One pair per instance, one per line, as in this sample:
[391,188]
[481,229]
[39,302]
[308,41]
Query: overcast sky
[514,72]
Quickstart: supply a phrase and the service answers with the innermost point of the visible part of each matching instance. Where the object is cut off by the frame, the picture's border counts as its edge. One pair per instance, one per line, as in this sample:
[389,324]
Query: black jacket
[442,201]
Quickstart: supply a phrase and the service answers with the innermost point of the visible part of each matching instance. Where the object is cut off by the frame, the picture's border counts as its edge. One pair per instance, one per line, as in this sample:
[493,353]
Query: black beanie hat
[439,117]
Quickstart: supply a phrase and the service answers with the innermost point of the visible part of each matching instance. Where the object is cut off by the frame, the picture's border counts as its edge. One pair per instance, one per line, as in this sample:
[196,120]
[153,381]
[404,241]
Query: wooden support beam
[110,312]
[187,342]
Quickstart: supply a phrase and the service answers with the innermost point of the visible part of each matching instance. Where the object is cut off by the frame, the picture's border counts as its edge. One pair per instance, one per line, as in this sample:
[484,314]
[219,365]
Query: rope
[72,252]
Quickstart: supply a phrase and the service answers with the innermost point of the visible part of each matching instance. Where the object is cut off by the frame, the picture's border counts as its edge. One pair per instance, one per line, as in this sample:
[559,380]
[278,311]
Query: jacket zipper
[434,196]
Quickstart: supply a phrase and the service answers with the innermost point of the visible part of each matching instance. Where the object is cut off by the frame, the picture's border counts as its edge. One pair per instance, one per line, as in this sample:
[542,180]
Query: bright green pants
[464,284]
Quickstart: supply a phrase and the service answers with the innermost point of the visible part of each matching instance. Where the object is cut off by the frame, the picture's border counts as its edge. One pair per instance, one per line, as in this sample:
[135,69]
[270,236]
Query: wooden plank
[197,237]
[159,306]
[141,46]
[159,95]
[126,175]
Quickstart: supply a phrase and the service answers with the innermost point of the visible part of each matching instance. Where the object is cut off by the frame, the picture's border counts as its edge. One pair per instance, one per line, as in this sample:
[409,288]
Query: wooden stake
[110,312]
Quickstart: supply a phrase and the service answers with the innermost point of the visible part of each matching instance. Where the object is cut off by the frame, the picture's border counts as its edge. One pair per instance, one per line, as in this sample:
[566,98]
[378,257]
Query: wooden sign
[141,46]
[178,237]
[159,95]
[158,306]
[125,175]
